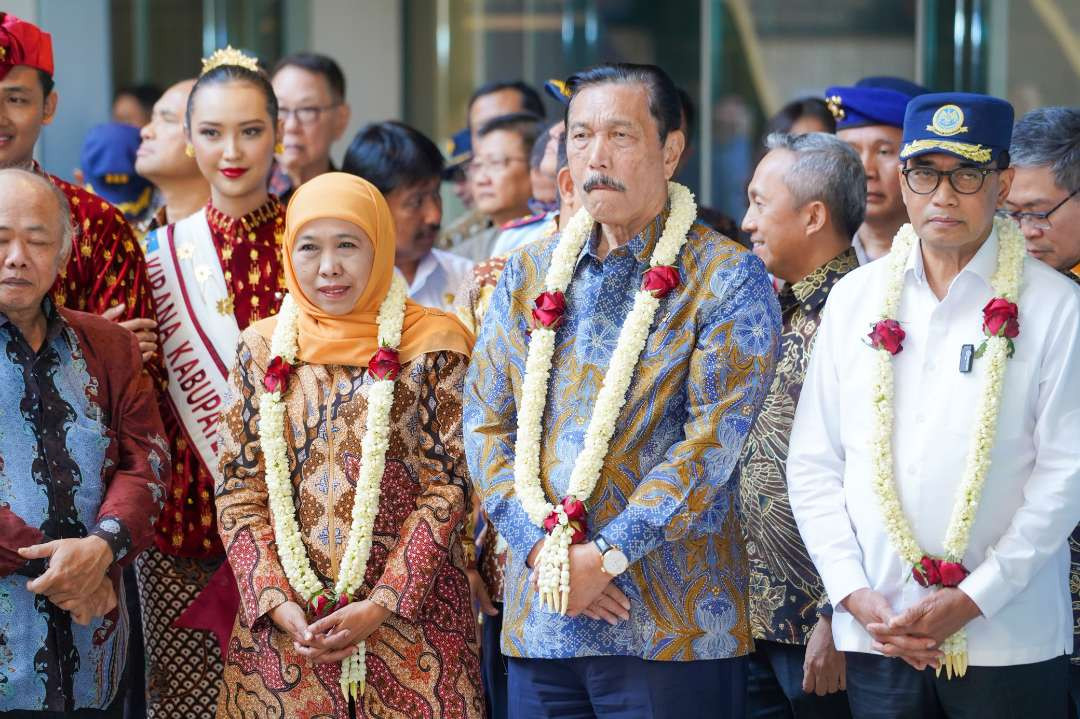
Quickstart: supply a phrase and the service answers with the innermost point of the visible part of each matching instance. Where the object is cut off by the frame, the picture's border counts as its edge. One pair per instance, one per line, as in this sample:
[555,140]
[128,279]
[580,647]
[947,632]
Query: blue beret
[458,150]
[966,125]
[558,91]
[859,106]
[899,84]
[108,165]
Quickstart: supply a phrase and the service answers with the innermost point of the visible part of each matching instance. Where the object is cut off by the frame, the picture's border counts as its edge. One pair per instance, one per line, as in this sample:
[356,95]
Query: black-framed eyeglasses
[1038,220]
[305,115]
[924,180]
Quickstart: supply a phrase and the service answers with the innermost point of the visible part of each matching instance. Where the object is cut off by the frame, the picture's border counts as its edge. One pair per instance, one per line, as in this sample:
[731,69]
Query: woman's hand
[290,618]
[335,637]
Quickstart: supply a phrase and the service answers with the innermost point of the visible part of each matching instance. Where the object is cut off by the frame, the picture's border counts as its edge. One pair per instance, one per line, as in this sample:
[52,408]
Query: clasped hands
[916,633]
[335,636]
[592,592]
[76,580]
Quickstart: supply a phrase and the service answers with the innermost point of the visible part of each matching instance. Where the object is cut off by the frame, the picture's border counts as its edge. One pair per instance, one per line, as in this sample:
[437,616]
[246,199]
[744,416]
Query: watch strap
[602,544]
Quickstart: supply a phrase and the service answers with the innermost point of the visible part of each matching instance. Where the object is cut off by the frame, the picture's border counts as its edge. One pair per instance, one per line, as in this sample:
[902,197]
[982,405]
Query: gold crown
[229,56]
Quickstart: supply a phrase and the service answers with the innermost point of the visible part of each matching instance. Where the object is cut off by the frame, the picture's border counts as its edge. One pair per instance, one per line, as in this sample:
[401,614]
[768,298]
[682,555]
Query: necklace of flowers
[1001,326]
[384,368]
[566,523]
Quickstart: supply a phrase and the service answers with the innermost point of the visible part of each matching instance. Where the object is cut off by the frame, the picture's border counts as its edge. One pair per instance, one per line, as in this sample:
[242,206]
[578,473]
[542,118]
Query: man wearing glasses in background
[934,484]
[1044,200]
[310,89]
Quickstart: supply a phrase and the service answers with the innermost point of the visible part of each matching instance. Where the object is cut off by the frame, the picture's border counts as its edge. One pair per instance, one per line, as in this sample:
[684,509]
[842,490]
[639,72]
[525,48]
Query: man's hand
[99,603]
[824,671]
[873,612]
[612,606]
[587,578]
[938,616]
[144,329]
[74,565]
[335,637]
[479,593]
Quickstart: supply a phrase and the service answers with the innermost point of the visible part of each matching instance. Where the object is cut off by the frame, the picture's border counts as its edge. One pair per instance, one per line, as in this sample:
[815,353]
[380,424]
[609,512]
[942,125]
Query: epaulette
[524,221]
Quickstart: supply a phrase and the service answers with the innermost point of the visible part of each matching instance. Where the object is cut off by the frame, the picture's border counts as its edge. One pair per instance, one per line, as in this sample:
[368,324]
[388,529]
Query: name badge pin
[967,355]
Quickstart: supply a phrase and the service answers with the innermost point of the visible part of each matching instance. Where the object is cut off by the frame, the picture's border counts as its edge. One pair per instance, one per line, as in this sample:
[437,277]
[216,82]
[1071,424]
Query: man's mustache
[598,181]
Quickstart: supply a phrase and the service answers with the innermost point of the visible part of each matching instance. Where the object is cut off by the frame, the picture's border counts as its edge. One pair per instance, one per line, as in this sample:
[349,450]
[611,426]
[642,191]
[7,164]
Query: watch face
[615,562]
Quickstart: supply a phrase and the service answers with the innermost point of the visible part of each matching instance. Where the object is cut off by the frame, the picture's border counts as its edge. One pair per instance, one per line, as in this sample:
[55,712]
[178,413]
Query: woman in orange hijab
[344,484]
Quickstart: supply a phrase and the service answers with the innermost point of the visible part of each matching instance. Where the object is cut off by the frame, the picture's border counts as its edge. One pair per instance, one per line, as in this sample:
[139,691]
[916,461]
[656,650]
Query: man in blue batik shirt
[657,622]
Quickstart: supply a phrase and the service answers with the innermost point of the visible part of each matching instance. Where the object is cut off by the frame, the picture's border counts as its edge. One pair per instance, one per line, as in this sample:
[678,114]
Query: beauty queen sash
[196,325]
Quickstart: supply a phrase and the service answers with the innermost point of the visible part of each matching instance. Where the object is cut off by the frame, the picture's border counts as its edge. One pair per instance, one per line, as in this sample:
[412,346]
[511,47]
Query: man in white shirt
[407,168]
[1014,605]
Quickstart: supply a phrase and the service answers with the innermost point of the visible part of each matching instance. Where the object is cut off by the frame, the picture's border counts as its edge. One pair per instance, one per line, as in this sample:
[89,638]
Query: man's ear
[49,110]
[342,114]
[815,217]
[672,151]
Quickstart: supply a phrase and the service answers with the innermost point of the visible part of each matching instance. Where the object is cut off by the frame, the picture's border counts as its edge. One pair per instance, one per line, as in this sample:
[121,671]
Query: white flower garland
[290,545]
[1006,283]
[553,563]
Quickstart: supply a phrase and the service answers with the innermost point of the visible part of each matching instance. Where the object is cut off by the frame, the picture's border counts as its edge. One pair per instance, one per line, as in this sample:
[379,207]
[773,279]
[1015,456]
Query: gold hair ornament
[229,56]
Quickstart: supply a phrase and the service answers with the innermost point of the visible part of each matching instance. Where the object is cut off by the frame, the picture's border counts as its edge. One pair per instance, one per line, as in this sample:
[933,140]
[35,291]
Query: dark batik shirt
[82,452]
[1074,565]
[785,589]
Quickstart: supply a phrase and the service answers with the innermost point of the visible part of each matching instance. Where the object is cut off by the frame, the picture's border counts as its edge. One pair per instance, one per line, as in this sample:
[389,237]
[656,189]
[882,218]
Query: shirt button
[911,469]
[930,366]
[920,418]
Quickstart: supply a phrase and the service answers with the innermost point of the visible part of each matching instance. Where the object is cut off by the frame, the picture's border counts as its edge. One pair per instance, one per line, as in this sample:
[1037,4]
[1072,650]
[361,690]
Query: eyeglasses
[495,165]
[966,180]
[1037,220]
[305,115]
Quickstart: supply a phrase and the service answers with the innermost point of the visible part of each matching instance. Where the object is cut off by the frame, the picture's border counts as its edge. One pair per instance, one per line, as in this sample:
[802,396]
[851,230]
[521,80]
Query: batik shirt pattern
[785,589]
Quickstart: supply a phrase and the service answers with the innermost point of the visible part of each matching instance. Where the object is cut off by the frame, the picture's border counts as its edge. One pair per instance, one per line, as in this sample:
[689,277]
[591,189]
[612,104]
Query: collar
[812,290]
[640,245]
[226,225]
[54,321]
[1072,276]
[427,267]
[982,265]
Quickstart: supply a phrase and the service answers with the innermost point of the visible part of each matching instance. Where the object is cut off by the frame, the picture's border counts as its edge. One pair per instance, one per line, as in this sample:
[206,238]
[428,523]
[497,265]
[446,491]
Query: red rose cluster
[277,375]
[385,364]
[578,516]
[887,335]
[1001,318]
[323,604]
[660,281]
[931,572]
[549,310]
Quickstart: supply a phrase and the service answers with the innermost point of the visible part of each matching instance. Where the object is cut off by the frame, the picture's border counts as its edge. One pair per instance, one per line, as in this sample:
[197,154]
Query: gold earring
[189,150]
[279,148]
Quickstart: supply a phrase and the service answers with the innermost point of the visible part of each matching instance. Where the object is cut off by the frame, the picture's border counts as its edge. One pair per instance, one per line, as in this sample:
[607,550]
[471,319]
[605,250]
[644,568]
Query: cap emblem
[948,120]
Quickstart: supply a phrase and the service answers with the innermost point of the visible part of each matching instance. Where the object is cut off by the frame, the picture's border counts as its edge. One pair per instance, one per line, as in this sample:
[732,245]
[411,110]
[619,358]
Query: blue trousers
[1074,691]
[883,688]
[626,688]
[774,686]
[493,665]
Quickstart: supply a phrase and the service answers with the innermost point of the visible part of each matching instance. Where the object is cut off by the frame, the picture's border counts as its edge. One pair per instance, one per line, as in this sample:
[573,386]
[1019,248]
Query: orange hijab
[352,339]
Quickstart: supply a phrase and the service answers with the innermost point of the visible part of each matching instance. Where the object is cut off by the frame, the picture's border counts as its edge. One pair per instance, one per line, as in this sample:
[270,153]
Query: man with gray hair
[1044,199]
[807,199]
[83,470]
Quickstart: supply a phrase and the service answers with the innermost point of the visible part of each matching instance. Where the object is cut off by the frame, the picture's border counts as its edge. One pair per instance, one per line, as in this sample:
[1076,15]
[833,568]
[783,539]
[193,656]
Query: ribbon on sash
[196,325]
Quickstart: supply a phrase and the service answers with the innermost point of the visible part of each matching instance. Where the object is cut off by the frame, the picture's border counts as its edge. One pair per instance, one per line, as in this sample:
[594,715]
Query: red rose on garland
[577,517]
[385,364]
[549,310]
[926,572]
[318,604]
[660,280]
[1001,318]
[952,573]
[277,375]
[887,335]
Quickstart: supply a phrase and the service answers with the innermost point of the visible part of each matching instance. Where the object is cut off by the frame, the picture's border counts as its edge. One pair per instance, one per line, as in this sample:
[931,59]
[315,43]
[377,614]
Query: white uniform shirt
[1017,551]
[439,277]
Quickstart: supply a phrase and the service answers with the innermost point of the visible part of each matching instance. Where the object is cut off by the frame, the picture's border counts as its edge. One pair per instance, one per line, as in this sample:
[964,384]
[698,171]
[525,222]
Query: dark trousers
[135,668]
[884,688]
[626,688]
[774,686]
[1074,691]
[493,665]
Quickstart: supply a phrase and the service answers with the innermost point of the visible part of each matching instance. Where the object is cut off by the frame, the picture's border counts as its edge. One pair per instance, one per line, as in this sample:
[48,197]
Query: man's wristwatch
[612,559]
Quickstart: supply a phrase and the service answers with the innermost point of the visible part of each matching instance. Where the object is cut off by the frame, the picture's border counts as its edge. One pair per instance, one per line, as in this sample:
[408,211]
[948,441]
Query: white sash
[197,326]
